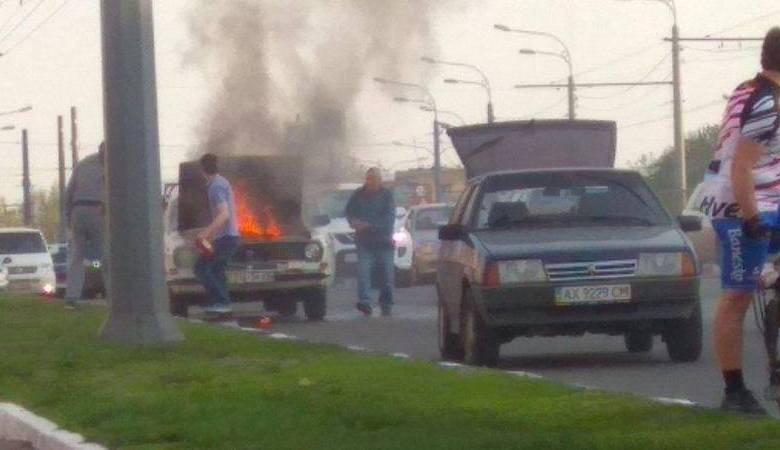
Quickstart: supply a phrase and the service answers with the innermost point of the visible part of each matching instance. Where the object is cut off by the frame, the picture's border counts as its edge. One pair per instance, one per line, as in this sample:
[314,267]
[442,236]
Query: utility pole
[26,187]
[61,159]
[436,160]
[679,138]
[139,306]
[572,98]
[74,137]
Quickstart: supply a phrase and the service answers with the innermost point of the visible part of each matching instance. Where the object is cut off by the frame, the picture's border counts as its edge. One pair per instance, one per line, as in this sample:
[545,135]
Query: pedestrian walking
[221,237]
[371,213]
[84,210]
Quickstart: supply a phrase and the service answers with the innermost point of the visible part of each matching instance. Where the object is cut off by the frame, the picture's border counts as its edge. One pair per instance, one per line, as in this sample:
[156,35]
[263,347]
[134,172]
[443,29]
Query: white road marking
[520,373]
[675,401]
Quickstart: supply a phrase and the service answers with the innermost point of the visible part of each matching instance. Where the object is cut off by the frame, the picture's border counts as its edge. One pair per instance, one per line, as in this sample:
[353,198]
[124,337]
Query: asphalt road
[593,360]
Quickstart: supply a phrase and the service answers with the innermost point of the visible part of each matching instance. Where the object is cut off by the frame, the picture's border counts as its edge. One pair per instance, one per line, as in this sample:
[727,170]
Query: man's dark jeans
[211,270]
[380,259]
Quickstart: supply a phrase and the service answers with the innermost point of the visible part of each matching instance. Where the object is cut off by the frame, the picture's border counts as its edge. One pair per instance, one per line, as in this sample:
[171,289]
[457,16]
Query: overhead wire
[37,27]
[652,70]
[21,22]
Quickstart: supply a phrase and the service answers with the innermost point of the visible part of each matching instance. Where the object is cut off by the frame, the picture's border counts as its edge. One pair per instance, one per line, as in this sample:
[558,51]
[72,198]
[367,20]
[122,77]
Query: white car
[28,264]
[704,241]
[3,278]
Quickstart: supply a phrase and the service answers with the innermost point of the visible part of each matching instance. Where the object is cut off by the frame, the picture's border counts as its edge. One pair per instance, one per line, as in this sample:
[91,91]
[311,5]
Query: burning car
[278,262]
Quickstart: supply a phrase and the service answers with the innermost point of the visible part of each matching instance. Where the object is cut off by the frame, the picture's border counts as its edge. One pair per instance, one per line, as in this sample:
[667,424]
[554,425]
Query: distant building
[417,184]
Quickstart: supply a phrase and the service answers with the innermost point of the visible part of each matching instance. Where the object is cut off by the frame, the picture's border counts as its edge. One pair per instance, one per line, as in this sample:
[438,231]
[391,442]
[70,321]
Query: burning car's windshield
[568,198]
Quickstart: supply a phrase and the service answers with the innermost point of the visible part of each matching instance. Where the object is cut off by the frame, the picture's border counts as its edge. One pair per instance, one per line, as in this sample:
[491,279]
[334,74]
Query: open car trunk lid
[267,191]
[535,144]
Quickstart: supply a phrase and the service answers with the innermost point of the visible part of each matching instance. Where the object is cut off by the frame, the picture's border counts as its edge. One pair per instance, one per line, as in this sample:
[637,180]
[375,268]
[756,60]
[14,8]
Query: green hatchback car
[564,252]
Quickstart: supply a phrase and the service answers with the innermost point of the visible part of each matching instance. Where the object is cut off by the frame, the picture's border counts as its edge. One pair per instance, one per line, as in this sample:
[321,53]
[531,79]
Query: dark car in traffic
[564,252]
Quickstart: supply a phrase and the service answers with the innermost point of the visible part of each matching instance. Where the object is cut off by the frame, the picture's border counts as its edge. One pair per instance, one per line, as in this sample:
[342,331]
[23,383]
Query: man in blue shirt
[371,212]
[222,232]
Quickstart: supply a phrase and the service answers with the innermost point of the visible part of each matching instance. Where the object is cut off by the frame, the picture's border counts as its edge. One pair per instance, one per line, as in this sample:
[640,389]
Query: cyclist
[741,194]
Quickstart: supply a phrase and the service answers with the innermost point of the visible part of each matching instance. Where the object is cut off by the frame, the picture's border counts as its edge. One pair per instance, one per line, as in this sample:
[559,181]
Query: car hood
[579,243]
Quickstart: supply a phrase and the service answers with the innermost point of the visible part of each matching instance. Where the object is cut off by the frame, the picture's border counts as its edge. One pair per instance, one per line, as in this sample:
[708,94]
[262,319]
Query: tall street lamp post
[567,60]
[565,54]
[485,82]
[436,152]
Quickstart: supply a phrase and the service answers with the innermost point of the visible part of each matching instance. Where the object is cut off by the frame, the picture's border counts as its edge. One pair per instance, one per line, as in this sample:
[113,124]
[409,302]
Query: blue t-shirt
[220,192]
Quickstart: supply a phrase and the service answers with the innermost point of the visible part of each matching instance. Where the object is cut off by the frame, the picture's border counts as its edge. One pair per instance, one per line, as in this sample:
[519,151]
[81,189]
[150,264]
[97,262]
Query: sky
[51,61]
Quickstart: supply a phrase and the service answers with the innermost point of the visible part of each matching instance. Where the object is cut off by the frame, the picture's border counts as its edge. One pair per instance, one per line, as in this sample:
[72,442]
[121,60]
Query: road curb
[17,423]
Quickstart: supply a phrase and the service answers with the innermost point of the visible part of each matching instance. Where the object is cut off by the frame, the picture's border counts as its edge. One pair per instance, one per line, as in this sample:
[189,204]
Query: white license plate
[250,276]
[592,294]
[350,258]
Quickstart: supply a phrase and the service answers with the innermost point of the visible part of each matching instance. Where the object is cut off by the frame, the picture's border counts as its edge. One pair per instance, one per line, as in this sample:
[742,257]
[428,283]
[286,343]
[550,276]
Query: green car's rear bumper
[534,304]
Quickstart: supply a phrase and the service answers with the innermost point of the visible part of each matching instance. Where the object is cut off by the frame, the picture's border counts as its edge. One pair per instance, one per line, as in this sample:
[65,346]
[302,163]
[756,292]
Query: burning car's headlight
[185,257]
[517,271]
[313,251]
[665,264]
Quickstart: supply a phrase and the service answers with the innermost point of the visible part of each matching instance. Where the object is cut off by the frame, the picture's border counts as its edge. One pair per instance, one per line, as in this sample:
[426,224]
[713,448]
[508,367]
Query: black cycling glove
[755,228]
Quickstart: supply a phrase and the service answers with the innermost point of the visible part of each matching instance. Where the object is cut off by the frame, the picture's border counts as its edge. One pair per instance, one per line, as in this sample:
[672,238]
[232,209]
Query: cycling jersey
[753,112]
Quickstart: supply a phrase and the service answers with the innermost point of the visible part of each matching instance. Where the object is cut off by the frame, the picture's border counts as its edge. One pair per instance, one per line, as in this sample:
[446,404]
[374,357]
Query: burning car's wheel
[315,304]
[179,305]
[683,337]
[480,343]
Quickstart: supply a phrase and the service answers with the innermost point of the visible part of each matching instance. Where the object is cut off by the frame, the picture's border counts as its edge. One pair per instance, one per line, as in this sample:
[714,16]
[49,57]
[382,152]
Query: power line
[38,27]
[621,58]
[667,117]
[24,19]
[10,19]
[744,22]
[652,70]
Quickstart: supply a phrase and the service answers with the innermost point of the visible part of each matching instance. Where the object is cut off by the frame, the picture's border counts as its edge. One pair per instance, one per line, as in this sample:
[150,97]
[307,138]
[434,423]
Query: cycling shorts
[742,258]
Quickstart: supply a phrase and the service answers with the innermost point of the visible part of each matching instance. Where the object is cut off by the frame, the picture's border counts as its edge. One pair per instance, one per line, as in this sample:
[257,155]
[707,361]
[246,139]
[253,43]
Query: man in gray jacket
[84,200]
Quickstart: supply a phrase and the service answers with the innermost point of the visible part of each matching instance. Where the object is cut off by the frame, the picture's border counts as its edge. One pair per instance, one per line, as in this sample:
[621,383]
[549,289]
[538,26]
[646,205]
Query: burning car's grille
[22,270]
[270,251]
[345,238]
[591,270]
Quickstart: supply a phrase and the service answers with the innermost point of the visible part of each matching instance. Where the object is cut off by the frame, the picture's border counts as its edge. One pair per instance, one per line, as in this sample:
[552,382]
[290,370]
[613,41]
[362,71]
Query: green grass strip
[227,389]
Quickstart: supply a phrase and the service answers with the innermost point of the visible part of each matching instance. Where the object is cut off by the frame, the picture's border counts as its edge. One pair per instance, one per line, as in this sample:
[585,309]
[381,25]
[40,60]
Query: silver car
[423,223]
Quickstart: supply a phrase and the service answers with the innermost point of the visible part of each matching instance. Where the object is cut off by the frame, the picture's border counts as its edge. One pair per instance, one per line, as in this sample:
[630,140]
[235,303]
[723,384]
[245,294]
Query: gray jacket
[87,183]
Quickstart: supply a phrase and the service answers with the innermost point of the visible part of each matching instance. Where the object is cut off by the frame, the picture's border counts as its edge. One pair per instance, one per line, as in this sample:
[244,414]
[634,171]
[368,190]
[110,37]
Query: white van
[27,261]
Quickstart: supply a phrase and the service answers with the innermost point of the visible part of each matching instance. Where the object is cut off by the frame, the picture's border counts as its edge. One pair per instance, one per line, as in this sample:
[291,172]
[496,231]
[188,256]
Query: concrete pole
[139,308]
[572,99]
[74,137]
[436,160]
[62,231]
[679,138]
[26,186]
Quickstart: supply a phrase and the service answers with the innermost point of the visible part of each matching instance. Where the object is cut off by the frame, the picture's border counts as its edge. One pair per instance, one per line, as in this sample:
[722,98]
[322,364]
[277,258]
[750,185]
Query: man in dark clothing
[371,212]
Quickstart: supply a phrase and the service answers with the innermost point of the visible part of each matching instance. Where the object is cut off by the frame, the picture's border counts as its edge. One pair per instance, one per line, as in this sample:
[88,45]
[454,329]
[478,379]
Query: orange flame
[250,223]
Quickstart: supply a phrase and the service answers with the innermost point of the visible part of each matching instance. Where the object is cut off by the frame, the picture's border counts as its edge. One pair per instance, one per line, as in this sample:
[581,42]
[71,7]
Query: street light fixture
[17,111]
[436,150]
[485,83]
[566,54]
[8,128]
